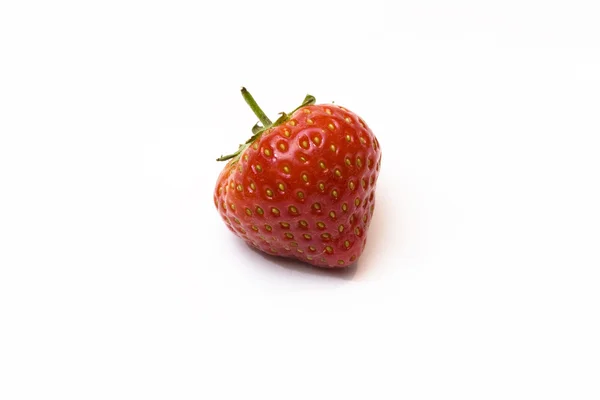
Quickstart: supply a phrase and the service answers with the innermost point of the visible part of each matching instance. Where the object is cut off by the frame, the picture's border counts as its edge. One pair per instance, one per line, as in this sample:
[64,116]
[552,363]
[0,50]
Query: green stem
[258,130]
[256,109]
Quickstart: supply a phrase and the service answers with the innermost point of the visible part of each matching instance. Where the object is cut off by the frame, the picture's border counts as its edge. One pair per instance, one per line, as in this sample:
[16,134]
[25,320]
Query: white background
[481,277]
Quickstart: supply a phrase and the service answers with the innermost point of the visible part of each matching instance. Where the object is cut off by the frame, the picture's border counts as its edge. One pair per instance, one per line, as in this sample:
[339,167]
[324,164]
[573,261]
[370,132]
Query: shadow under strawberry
[346,273]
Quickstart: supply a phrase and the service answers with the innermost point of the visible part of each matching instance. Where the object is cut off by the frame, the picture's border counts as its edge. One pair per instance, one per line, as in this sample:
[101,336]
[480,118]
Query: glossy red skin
[242,187]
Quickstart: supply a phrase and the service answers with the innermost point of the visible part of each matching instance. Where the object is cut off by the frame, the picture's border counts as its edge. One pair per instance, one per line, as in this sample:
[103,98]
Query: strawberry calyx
[264,123]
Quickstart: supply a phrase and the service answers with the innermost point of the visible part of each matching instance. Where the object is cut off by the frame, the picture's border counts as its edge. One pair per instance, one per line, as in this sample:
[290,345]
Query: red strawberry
[304,186]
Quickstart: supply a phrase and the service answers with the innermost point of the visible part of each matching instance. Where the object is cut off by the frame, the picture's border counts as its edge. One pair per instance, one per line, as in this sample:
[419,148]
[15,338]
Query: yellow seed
[248,211]
[232,185]
[369,163]
[309,258]
[284,225]
[365,218]
[292,122]
[372,180]
[334,193]
[358,162]
[357,231]
[224,205]
[357,202]
[320,225]
[345,207]
[347,244]
[329,249]
[325,236]
[259,211]
[332,147]
[351,185]
[289,235]
[341,228]
[348,162]
[275,211]
[303,223]
[269,192]
[287,248]
[237,221]
[293,210]
[268,228]
[300,195]
[312,248]
[307,236]
[338,173]
[309,121]
[362,140]
[255,146]
[255,228]
[239,188]
[363,182]
[322,165]
[232,206]
[286,169]
[304,144]
[281,187]
[316,140]
[300,251]
[305,177]
[331,127]
[246,157]
[332,214]
[322,187]
[341,262]
[306,110]
[267,152]
[316,206]
[361,123]
[282,147]
[352,258]
[348,138]
[258,168]
[286,133]
[348,120]
[303,159]
[252,186]
[328,111]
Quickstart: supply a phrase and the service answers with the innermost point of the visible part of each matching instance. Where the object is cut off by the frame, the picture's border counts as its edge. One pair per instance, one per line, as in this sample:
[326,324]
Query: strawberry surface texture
[303,186]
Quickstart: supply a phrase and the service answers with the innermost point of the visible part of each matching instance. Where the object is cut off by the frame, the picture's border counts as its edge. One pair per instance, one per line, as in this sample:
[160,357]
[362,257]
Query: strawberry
[303,186]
